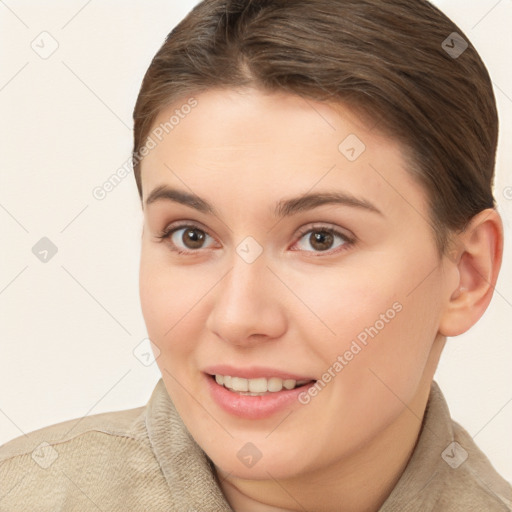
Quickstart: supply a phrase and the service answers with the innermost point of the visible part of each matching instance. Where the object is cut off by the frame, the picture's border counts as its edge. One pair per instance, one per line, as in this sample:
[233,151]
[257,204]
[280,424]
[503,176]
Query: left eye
[322,238]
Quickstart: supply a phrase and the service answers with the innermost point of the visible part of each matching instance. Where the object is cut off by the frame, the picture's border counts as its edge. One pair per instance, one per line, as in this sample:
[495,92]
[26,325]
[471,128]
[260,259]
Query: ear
[478,262]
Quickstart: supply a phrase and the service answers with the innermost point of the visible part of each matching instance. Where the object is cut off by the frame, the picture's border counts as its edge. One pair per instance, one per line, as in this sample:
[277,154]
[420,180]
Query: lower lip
[253,407]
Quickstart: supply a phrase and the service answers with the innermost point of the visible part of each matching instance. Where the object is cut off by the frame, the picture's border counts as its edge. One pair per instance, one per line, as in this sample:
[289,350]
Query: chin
[261,470]
[258,460]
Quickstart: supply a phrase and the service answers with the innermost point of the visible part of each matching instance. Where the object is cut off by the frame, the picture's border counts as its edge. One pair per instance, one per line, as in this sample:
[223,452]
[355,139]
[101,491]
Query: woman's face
[264,290]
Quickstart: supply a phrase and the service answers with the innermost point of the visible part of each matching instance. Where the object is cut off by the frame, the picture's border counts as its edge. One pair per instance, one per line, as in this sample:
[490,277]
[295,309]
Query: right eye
[184,238]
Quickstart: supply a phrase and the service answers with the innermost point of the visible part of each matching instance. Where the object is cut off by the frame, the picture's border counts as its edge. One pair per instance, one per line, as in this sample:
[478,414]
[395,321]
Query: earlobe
[481,251]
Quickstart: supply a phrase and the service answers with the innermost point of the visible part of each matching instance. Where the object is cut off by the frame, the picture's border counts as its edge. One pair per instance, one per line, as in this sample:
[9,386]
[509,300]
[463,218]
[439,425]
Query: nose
[247,306]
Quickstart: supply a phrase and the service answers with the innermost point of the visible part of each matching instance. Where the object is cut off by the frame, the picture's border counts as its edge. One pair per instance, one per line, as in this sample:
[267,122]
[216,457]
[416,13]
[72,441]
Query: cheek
[173,302]
[168,296]
[165,295]
[151,293]
[380,325]
[165,291]
[167,307]
[385,377]
[346,303]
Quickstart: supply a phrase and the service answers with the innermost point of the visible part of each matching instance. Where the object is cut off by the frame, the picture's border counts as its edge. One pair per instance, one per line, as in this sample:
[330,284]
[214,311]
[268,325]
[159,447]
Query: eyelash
[170,230]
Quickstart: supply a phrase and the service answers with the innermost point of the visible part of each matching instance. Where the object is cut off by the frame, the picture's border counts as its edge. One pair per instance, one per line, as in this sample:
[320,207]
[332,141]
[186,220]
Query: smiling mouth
[258,387]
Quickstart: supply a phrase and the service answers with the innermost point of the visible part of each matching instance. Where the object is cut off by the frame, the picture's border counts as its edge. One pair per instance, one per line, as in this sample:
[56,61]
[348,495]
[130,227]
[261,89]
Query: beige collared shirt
[144,459]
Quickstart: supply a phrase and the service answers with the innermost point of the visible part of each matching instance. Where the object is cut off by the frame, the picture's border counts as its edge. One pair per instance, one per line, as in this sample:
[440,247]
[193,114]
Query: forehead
[248,116]
[275,145]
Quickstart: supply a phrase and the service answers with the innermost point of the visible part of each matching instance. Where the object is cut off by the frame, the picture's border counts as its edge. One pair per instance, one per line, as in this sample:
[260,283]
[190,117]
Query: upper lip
[253,372]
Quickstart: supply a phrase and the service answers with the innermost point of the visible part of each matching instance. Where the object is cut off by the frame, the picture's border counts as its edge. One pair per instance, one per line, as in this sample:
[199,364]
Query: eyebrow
[283,208]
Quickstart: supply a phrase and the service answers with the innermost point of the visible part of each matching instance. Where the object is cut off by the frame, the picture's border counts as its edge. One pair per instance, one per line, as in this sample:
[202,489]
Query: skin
[296,307]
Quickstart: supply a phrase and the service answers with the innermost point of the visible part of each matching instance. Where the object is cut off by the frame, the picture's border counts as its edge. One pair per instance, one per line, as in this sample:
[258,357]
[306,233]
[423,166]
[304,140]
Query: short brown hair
[390,59]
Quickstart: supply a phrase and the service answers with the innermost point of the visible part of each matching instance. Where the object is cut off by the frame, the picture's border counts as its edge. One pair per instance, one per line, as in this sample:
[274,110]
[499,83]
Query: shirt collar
[187,469]
[425,473]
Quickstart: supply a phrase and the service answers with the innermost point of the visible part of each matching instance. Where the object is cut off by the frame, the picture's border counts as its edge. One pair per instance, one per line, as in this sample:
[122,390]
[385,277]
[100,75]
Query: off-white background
[69,327]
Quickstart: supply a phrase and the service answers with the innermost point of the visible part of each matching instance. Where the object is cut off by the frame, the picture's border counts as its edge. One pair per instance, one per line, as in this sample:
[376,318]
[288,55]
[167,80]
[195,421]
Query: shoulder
[471,478]
[115,423]
[79,461]
[447,470]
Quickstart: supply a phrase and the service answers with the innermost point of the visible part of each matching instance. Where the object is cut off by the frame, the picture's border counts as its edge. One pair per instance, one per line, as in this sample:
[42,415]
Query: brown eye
[323,239]
[185,238]
[193,238]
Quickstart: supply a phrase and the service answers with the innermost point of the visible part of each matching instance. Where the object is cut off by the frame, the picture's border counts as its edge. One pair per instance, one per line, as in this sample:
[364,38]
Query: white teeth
[257,386]
[274,384]
[239,384]
[289,383]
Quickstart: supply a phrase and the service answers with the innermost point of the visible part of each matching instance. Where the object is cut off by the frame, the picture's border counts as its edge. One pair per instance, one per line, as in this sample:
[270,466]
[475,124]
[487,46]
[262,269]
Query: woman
[316,182]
